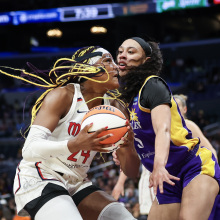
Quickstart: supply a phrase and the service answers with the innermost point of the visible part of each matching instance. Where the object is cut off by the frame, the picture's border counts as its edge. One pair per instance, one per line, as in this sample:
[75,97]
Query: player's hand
[87,141]
[160,175]
[129,140]
[115,158]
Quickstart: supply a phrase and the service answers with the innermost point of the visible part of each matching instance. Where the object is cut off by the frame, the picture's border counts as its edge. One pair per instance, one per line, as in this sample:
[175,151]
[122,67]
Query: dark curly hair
[134,79]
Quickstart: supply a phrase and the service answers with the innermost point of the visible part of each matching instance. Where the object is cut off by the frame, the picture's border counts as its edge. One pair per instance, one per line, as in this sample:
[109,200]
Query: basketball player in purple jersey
[185,176]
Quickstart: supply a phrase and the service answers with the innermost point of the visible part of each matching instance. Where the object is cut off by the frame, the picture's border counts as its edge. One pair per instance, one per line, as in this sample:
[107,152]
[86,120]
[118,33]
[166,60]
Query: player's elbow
[29,154]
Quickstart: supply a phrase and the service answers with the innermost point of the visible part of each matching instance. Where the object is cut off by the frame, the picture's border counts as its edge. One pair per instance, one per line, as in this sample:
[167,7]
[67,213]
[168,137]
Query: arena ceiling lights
[98,30]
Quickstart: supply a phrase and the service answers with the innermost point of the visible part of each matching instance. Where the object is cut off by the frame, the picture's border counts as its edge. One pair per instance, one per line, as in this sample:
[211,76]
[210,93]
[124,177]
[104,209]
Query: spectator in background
[1,213]
[196,131]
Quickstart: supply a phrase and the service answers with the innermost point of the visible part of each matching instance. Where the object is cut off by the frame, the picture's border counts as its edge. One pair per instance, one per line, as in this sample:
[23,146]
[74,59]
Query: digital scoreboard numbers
[89,12]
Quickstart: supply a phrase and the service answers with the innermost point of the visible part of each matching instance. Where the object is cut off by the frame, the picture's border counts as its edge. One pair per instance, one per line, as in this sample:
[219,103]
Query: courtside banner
[167,5]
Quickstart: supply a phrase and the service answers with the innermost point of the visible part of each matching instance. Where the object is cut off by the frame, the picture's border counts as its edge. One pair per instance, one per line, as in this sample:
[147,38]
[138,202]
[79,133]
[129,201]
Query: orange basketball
[105,115]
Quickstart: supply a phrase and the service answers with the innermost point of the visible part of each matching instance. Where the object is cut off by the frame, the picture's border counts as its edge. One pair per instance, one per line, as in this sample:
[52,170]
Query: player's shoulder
[189,122]
[156,81]
[60,94]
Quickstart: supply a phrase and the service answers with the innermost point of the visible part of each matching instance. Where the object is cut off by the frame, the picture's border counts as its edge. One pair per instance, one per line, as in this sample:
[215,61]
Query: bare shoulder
[60,99]
[63,94]
[190,123]
[193,127]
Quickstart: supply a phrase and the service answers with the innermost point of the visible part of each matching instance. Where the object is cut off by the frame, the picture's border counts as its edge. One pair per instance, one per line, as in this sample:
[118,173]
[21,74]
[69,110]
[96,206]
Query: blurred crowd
[195,76]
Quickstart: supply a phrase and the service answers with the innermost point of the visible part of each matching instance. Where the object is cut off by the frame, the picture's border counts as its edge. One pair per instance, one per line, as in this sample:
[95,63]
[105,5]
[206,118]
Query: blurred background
[40,32]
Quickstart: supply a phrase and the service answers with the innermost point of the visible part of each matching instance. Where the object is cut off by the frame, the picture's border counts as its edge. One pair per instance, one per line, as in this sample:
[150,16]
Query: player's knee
[115,210]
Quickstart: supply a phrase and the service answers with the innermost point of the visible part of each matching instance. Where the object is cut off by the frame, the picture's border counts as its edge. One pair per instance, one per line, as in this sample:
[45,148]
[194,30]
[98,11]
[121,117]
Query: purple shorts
[215,214]
[199,161]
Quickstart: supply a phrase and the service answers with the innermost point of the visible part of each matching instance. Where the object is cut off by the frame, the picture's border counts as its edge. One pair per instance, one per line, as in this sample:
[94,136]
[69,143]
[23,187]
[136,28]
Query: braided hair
[64,71]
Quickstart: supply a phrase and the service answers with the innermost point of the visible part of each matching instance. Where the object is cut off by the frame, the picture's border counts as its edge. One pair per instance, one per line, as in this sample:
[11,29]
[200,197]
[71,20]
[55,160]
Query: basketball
[106,115]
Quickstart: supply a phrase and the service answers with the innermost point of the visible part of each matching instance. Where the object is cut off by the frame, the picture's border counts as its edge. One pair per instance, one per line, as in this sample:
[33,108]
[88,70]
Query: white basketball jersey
[76,165]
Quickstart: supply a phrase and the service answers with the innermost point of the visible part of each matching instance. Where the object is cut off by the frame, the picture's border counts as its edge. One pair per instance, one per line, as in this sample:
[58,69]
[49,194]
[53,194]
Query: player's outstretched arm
[118,190]
[161,120]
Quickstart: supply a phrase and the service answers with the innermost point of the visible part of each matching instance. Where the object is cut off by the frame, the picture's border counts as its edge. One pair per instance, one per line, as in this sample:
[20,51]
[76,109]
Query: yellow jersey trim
[141,107]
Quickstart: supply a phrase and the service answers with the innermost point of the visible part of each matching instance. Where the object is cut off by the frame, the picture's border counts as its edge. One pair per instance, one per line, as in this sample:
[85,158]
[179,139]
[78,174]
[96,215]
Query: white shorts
[30,181]
[146,194]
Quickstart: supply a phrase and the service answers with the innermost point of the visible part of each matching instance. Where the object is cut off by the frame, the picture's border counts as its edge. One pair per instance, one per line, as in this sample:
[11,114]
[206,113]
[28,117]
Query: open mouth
[122,65]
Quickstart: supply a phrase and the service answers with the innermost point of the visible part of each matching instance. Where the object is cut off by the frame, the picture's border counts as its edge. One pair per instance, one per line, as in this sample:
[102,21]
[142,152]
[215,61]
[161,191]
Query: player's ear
[185,110]
[146,59]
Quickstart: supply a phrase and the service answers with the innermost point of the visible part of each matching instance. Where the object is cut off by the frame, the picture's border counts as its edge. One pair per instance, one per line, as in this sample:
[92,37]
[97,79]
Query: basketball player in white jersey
[51,179]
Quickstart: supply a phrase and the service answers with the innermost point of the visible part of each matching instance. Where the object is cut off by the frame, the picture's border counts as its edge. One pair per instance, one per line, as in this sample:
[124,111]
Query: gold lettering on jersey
[135,124]
[133,115]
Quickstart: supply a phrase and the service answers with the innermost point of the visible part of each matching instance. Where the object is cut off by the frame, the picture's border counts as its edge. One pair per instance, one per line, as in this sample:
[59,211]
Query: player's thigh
[92,205]
[60,207]
[164,211]
[198,198]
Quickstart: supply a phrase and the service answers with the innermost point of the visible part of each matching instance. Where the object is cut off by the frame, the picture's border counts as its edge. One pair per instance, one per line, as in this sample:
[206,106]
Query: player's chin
[122,72]
[115,85]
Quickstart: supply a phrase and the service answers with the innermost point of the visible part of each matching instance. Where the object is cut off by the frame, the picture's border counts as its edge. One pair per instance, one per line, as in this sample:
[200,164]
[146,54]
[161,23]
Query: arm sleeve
[155,92]
[37,145]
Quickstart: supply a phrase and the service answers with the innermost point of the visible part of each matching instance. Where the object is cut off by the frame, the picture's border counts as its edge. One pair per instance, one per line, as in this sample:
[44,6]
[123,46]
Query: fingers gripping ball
[106,115]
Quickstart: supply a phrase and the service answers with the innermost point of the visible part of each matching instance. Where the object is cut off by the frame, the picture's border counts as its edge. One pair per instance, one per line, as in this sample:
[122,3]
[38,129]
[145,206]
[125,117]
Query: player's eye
[107,60]
[120,52]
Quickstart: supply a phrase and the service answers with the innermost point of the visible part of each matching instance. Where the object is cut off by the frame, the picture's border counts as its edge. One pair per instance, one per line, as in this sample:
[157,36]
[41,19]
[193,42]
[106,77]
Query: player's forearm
[122,178]
[162,146]
[37,145]
[129,161]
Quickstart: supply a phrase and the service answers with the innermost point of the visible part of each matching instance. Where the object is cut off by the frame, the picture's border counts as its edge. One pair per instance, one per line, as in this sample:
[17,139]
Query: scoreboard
[102,11]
